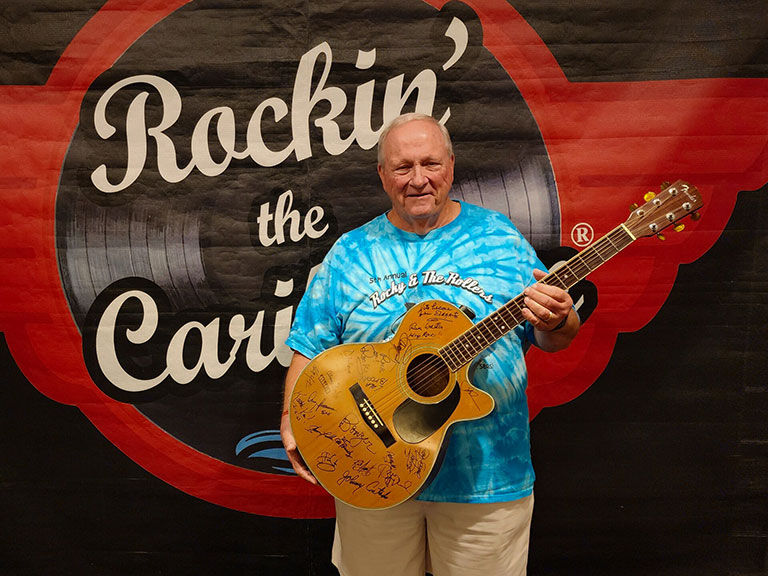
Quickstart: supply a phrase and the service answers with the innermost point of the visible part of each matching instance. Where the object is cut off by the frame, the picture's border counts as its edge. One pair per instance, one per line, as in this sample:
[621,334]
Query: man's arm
[298,362]
[550,312]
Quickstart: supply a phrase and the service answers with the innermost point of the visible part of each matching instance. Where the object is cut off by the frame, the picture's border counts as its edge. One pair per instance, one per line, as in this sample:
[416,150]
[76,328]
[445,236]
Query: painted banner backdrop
[166,201]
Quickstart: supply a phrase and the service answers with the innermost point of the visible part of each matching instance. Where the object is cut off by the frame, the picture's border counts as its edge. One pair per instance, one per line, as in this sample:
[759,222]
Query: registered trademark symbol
[582,234]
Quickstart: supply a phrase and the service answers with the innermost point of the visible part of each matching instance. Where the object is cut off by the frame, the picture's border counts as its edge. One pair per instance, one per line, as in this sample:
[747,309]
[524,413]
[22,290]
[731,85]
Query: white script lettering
[307,97]
[172,366]
[283,215]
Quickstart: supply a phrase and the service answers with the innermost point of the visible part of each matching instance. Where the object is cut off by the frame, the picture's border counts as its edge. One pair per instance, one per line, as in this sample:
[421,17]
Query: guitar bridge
[371,416]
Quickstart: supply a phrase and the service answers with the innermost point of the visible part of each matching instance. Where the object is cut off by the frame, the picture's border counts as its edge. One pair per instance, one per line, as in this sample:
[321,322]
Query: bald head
[405,119]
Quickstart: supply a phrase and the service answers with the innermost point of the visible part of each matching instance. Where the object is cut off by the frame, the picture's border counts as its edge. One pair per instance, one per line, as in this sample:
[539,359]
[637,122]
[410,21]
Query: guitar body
[370,420]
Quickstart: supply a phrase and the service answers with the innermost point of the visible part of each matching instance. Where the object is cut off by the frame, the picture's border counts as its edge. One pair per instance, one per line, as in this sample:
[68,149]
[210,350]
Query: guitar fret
[608,237]
[566,273]
[447,354]
[626,237]
[615,245]
[494,332]
[605,252]
[560,283]
[574,274]
[509,319]
[592,261]
[502,313]
[519,307]
[456,351]
[459,353]
[620,238]
[492,319]
[582,267]
[595,251]
[501,318]
[467,347]
[482,325]
[470,344]
[606,249]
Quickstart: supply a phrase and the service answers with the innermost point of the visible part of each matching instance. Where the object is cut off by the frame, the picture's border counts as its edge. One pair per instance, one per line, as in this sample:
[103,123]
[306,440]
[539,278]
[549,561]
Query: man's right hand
[294,457]
[298,362]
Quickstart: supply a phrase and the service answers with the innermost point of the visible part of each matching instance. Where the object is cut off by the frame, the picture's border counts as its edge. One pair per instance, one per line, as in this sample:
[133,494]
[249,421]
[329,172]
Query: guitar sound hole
[427,375]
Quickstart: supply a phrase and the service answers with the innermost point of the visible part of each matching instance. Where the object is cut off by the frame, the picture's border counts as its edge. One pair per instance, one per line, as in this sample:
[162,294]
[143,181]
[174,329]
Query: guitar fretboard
[462,349]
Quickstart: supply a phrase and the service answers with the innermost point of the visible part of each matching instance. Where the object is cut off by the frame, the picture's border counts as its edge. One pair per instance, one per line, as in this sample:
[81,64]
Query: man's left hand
[550,311]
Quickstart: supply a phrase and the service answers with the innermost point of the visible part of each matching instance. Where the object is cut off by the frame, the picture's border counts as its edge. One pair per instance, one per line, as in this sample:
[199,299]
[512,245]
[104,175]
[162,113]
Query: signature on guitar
[307,407]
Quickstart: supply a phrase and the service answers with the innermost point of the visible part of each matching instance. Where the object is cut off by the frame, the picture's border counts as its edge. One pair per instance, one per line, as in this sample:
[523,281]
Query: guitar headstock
[674,202]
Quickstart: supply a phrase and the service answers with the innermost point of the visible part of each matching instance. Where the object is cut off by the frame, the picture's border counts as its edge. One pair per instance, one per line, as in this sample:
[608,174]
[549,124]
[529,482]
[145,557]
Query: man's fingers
[299,466]
[548,298]
[294,456]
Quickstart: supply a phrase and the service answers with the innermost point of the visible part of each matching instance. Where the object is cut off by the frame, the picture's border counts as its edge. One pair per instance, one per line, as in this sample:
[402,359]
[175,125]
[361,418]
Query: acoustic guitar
[371,420]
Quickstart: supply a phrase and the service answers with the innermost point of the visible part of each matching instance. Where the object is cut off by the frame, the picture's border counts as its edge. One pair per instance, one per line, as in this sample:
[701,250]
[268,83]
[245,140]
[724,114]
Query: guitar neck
[464,348]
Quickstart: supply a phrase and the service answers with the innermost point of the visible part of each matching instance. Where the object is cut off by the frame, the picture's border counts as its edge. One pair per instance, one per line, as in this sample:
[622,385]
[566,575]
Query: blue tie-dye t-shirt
[478,260]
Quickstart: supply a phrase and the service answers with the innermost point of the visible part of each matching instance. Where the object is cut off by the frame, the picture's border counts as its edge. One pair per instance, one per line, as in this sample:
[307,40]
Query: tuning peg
[695,216]
[649,196]
[679,228]
[634,206]
[664,185]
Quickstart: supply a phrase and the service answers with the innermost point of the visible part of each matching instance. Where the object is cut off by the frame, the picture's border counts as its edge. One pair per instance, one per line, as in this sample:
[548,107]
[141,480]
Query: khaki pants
[445,538]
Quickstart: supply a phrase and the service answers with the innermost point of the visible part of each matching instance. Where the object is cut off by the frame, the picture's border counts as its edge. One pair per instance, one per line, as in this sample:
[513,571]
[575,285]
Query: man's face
[417,174]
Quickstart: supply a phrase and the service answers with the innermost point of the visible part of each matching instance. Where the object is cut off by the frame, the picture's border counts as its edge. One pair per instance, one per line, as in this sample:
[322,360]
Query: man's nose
[419,178]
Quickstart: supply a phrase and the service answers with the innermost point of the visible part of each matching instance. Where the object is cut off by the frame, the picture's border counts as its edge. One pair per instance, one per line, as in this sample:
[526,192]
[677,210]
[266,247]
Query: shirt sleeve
[317,325]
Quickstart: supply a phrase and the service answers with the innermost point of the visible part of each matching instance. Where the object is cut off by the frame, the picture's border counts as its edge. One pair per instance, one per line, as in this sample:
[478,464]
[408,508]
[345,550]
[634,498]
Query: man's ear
[380,170]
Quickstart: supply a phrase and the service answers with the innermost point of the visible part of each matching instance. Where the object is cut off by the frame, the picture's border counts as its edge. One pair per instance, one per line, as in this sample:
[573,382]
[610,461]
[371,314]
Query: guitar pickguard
[415,422]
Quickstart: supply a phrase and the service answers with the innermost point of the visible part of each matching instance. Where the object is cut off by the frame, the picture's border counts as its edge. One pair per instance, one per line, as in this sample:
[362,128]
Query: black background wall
[661,467]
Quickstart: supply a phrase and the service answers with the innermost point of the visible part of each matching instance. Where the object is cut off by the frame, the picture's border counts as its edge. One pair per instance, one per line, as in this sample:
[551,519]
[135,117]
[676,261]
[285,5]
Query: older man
[474,517]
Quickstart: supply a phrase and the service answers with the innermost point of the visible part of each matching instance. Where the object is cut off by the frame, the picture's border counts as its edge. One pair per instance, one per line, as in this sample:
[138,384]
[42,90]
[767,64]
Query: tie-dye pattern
[361,291]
